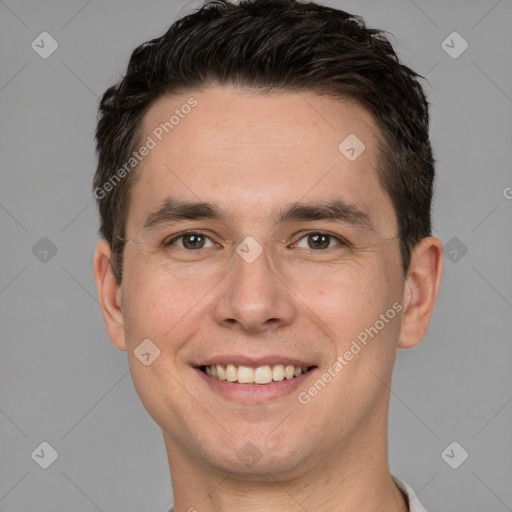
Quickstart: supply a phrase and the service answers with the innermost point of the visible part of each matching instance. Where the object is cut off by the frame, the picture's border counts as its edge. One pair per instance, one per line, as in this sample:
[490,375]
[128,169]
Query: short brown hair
[282,45]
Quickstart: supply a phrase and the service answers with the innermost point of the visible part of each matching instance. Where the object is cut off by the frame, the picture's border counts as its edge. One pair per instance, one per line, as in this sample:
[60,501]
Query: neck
[351,477]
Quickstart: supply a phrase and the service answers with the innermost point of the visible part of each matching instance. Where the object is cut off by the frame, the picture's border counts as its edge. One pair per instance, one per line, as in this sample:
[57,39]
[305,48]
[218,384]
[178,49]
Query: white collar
[412,499]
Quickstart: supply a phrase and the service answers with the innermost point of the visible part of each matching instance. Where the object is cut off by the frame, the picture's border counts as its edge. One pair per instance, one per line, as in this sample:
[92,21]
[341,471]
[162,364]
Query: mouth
[262,375]
[256,381]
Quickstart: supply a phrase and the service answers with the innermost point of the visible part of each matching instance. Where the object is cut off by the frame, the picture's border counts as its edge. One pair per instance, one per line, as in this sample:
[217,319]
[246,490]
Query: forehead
[253,152]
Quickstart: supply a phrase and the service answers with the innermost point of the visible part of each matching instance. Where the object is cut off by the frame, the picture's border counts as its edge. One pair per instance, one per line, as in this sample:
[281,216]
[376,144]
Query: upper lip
[239,360]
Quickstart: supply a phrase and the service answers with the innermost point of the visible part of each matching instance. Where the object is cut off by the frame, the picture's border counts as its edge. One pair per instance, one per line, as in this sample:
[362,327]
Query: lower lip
[254,393]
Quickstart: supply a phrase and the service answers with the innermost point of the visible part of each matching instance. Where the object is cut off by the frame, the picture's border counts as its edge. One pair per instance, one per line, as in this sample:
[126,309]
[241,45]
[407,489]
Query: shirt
[412,500]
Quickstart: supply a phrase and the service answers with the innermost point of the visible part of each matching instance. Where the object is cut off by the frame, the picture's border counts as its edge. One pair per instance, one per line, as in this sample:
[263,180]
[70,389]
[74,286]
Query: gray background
[61,379]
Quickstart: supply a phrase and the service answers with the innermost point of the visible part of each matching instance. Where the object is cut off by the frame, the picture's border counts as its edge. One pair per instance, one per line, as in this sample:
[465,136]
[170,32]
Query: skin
[252,153]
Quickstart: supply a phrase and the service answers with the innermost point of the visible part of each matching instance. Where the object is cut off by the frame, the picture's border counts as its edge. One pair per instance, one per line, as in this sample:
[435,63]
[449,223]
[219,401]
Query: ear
[420,290]
[109,293]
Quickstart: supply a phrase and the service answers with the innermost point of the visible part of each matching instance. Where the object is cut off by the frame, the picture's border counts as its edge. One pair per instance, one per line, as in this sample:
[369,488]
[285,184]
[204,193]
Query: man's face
[315,287]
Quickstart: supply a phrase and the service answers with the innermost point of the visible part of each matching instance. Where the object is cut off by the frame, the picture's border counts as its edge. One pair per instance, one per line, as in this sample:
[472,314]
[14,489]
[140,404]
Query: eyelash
[341,241]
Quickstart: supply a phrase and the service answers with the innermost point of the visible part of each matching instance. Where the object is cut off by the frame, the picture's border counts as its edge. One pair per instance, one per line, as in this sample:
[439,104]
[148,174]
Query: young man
[264,184]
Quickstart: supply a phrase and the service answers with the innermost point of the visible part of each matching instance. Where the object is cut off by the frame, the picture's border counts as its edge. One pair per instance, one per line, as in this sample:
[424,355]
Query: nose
[253,297]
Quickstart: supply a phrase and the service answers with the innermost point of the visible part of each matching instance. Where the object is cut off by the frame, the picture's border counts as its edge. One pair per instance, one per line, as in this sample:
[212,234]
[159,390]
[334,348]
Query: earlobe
[109,294]
[421,290]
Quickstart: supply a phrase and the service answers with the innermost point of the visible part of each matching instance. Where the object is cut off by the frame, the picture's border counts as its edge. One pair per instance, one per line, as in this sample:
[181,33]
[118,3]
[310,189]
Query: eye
[318,240]
[190,240]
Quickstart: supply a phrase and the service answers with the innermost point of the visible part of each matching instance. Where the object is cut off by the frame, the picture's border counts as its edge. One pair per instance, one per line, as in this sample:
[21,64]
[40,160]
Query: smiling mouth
[259,375]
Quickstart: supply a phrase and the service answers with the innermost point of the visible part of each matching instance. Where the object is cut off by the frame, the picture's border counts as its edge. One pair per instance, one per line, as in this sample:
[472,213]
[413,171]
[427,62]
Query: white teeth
[231,372]
[278,372]
[221,374]
[261,375]
[245,374]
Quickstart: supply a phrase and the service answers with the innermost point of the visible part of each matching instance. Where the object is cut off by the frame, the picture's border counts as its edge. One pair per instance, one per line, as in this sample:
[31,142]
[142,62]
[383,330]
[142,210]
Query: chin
[261,461]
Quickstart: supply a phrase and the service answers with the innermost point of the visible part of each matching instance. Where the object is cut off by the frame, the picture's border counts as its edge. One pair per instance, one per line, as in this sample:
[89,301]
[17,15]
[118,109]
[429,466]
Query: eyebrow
[173,210]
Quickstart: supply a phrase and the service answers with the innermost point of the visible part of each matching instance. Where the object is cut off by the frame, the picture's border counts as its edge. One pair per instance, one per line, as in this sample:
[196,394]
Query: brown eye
[317,241]
[189,241]
[193,241]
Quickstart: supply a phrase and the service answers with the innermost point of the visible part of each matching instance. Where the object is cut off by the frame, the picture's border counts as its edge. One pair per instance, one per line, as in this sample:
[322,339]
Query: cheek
[157,387]
[350,300]
[155,302]
[365,327]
